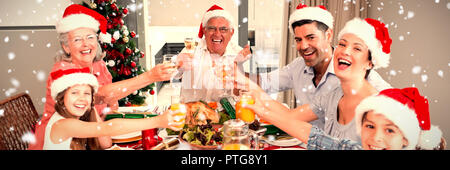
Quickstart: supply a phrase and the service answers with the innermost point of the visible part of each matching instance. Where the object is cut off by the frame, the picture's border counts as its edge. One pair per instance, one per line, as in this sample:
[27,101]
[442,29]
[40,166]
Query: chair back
[17,119]
[443,144]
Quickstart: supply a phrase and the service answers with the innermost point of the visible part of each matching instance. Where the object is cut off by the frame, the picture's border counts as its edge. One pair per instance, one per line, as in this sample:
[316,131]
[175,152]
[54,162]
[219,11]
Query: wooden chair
[443,144]
[17,117]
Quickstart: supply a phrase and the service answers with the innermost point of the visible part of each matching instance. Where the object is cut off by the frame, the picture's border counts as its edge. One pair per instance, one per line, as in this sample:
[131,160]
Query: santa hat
[63,79]
[376,36]
[77,16]
[318,13]
[214,11]
[408,110]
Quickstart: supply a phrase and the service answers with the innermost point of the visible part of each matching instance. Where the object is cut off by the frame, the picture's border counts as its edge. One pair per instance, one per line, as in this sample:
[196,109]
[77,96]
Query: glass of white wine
[171,59]
[189,44]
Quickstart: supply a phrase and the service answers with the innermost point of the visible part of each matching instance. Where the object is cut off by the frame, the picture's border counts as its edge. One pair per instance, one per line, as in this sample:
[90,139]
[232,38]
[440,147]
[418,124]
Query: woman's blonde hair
[63,56]
[89,116]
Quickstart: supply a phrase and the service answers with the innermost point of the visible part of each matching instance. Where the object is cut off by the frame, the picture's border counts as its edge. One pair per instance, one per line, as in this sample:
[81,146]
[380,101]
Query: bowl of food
[202,137]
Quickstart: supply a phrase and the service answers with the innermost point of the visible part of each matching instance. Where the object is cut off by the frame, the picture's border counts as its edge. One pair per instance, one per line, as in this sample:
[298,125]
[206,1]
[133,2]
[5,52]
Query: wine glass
[224,70]
[189,44]
[171,59]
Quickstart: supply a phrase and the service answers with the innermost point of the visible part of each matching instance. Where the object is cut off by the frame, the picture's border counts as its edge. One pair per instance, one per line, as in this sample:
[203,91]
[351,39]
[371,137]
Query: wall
[420,50]
[28,45]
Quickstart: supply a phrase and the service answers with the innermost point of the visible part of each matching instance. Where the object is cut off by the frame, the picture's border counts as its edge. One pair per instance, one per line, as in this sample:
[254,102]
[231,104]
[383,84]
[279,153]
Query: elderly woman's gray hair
[63,56]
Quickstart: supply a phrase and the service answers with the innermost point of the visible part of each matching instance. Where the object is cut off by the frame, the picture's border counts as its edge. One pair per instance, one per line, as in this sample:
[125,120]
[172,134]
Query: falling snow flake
[416,69]
[11,55]
[29,137]
[440,73]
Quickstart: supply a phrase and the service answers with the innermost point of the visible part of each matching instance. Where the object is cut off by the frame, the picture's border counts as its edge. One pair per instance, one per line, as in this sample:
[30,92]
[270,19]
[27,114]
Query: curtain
[342,11]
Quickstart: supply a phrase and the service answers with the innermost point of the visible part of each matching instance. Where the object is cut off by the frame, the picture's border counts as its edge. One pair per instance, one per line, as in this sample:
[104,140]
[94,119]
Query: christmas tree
[122,56]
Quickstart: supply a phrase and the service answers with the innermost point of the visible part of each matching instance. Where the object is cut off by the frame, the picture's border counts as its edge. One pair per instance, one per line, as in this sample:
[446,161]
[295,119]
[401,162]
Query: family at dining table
[347,105]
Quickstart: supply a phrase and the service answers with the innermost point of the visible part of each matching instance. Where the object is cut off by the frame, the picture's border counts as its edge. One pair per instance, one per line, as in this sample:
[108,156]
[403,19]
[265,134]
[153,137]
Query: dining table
[271,138]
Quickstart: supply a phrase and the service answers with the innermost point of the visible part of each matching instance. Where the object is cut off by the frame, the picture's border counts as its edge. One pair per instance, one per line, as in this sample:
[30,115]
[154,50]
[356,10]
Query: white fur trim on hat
[75,21]
[217,13]
[69,80]
[311,13]
[401,115]
[366,32]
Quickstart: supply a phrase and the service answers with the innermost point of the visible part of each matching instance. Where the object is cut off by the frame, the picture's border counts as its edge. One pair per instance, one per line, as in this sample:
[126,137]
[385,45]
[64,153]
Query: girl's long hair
[89,116]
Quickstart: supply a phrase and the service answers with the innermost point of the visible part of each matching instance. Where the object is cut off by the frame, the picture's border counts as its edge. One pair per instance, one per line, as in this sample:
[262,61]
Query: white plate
[290,149]
[135,109]
[115,147]
[285,142]
[128,135]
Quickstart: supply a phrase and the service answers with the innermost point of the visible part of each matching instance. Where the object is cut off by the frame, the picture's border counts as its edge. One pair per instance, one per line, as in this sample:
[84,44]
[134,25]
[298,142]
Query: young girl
[395,119]
[75,124]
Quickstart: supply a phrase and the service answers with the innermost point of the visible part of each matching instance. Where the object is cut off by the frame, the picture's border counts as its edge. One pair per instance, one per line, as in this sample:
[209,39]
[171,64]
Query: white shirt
[48,144]
[202,82]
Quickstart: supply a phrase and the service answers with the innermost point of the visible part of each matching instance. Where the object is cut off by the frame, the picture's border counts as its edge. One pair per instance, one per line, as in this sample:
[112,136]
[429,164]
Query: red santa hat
[318,13]
[77,16]
[214,11]
[408,110]
[63,79]
[376,36]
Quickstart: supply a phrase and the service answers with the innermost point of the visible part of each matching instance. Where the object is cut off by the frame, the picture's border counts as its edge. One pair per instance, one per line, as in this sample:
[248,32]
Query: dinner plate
[290,149]
[116,147]
[129,137]
[284,141]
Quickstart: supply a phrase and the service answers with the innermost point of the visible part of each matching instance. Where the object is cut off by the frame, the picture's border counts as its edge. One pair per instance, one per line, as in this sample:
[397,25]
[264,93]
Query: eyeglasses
[88,38]
[222,30]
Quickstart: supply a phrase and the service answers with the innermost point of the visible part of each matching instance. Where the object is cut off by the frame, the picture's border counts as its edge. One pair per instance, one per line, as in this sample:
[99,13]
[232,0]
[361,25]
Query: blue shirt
[318,140]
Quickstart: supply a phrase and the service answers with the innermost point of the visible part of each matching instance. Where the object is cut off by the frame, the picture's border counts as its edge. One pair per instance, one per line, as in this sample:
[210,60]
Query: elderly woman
[79,40]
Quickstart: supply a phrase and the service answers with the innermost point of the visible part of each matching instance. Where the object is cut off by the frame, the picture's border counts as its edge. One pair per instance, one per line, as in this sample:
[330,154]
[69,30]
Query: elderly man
[312,74]
[204,72]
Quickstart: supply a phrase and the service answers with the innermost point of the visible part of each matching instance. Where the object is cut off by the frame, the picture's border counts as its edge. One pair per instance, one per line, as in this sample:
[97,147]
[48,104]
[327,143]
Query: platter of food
[202,130]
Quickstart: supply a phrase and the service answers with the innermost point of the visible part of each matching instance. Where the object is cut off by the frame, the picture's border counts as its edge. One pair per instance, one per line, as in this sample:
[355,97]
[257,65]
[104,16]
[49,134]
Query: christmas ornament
[132,34]
[116,35]
[125,39]
[128,51]
[111,63]
[114,7]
